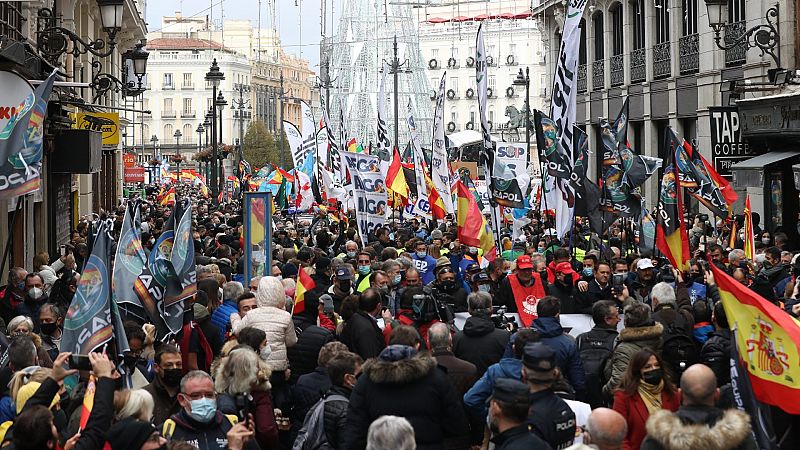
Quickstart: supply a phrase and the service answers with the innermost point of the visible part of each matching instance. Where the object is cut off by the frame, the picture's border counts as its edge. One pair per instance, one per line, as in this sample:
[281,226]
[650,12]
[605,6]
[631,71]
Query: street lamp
[178,158]
[208,123]
[200,130]
[395,68]
[154,141]
[525,80]
[139,57]
[239,106]
[220,103]
[214,76]
[766,37]
[53,41]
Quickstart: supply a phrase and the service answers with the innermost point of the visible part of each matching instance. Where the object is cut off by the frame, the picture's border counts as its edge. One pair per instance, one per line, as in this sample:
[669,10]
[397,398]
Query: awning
[461,19]
[437,20]
[522,15]
[481,17]
[750,172]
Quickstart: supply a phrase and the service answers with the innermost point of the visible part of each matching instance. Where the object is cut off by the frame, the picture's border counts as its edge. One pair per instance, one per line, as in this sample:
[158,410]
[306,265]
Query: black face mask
[48,328]
[448,286]
[653,377]
[172,377]
[129,361]
[345,286]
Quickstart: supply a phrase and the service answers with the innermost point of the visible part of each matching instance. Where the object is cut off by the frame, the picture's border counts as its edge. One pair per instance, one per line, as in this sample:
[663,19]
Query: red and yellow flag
[396,179]
[671,237]
[472,227]
[767,339]
[169,197]
[304,284]
[749,237]
[88,401]
[434,199]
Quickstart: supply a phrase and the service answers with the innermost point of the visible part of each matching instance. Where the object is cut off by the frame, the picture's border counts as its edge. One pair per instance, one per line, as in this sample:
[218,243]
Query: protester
[361,333]
[480,341]
[165,386]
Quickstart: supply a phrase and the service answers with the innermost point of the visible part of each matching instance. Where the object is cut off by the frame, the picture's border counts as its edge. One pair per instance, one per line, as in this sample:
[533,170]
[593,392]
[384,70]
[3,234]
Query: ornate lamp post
[765,37]
[214,76]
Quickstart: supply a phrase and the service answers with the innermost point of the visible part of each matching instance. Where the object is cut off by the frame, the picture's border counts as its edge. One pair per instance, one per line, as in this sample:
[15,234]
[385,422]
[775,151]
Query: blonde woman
[135,403]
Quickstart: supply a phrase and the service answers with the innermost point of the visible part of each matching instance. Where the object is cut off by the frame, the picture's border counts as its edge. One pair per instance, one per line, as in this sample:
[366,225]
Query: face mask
[448,285]
[396,280]
[345,285]
[653,377]
[172,377]
[765,241]
[567,280]
[422,255]
[363,270]
[203,410]
[351,254]
[540,249]
[35,293]
[588,271]
[473,250]
[21,285]
[48,328]
[129,361]
[265,352]
[384,290]
[484,288]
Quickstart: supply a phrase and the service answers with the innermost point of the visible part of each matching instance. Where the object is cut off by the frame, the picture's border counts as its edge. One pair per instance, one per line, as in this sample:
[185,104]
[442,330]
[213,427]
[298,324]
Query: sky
[305,44]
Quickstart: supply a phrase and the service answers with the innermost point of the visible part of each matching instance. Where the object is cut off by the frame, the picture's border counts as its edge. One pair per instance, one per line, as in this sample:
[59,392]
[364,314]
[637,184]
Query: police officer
[549,416]
[508,411]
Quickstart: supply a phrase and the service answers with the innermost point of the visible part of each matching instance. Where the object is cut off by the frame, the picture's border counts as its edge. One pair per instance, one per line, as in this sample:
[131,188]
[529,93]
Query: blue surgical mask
[363,270]
[351,254]
[421,255]
[587,271]
[540,249]
[396,280]
[484,288]
[203,410]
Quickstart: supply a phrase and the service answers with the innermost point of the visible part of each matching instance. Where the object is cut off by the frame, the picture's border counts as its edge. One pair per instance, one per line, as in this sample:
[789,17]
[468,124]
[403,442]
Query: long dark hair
[633,374]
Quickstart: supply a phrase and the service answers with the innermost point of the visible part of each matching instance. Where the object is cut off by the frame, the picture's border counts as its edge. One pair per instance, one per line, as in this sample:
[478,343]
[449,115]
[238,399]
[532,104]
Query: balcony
[167,114]
[187,86]
[737,54]
[582,78]
[187,114]
[598,75]
[662,60]
[638,65]
[168,87]
[689,57]
[617,70]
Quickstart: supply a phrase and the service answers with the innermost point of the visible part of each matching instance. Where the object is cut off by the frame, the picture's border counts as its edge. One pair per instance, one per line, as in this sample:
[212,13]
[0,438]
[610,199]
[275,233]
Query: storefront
[771,127]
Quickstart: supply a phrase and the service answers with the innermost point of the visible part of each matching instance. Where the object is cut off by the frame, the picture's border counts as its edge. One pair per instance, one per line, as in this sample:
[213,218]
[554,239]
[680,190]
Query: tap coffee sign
[106,123]
[727,147]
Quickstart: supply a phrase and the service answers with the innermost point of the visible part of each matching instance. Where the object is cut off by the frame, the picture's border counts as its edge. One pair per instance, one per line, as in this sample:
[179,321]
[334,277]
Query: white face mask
[35,293]
[265,352]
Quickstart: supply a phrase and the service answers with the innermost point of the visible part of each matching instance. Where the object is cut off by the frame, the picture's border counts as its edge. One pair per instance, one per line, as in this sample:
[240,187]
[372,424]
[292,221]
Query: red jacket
[635,412]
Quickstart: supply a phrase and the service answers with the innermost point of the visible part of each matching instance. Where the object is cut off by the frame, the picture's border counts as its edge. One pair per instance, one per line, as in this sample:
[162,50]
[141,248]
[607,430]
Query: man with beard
[644,281]
[166,385]
[33,300]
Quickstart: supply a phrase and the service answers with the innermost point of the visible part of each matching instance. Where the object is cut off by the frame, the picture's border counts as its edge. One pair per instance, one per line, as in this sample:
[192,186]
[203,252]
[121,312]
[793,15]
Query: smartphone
[617,280]
[62,250]
[80,362]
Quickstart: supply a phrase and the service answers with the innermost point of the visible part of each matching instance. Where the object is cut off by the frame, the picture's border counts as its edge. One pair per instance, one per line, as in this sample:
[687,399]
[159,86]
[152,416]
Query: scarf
[651,395]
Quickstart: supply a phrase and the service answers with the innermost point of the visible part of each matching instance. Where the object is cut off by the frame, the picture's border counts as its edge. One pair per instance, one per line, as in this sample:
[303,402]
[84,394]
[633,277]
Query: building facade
[447,40]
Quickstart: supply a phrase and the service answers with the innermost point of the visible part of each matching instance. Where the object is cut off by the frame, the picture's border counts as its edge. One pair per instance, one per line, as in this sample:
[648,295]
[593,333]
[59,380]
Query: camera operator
[645,280]
[480,342]
[447,291]
[419,309]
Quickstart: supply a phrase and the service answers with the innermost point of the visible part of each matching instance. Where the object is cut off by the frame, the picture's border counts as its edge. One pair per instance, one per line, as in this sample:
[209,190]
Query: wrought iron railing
[582,78]
[617,70]
[689,54]
[662,60]
[738,53]
[638,65]
[598,75]
[11,20]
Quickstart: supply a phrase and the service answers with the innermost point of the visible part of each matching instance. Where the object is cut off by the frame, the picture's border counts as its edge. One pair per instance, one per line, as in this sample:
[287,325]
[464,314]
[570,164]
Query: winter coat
[565,293]
[203,436]
[413,388]
[635,412]
[699,428]
[335,417]
[266,428]
[164,405]
[716,355]
[310,339]
[518,438]
[276,322]
[631,340]
[462,374]
[307,391]
[475,398]
[480,342]
[567,357]
[362,335]
[221,318]
[595,293]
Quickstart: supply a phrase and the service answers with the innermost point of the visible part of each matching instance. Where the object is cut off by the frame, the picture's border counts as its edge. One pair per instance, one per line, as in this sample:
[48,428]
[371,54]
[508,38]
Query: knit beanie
[129,434]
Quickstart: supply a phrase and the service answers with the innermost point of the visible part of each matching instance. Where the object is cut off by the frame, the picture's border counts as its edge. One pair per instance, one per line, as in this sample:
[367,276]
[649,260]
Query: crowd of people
[413,340]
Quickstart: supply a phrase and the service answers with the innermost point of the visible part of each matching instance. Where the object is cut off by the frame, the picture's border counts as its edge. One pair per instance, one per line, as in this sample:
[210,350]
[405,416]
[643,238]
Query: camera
[244,405]
[617,281]
[501,320]
[702,217]
[426,307]
[665,274]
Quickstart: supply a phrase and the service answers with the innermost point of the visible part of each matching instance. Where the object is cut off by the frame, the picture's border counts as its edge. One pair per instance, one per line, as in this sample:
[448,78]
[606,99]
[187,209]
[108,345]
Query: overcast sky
[289,23]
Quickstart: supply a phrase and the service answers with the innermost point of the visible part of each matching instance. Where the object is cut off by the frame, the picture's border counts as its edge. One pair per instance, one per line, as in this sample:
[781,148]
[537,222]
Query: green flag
[280,200]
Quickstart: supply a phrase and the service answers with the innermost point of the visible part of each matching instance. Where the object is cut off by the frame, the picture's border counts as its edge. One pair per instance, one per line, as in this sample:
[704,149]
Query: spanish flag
[352,147]
[396,179]
[671,237]
[472,227]
[749,237]
[88,401]
[304,284]
[169,197]
[767,339]
[437,204]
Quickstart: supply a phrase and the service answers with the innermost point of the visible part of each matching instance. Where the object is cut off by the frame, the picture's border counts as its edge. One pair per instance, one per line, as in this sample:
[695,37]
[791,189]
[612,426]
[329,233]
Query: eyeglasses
[199,395]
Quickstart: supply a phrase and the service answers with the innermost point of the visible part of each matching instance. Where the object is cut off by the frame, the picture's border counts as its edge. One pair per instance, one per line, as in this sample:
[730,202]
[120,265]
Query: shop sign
[727,146]
[134,174]
[16,99]
[128,160]
[107,123]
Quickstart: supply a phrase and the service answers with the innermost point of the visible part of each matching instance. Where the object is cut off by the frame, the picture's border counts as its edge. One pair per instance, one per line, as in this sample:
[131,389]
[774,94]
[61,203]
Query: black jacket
[310,339]
[730,429]
[565,293]
[413,388]
[585,300]
[518,438]
[716,354]
[335,417]
[204,436]
[362,335]
[306,392]
[164,404]
[212,334]
[551,419]
[480,342]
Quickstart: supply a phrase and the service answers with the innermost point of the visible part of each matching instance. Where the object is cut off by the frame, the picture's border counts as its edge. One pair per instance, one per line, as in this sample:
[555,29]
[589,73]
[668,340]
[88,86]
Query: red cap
[565,268]
[524,262]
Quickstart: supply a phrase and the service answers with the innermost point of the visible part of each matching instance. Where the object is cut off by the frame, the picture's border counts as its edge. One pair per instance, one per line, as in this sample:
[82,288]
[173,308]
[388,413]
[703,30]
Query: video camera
[502,320]
[665,274]
[427,307]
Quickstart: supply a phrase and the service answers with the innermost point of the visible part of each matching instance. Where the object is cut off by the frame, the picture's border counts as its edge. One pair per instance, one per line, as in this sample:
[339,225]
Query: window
[11,20]
[167,105]
[454,85]
[582,52]
[187,80]
[491,51]
[662,21]
[472,82]
[168,131]
[435,53]
[617,29]
[472,114]
[146,103]
[736,10]
[689,17]
[512,50]
[454,52]
[208,104]
[491,115]
[453,114]
[188,133]
[599,47]
[168,81]
[492,82]
[187,106]
[637,12]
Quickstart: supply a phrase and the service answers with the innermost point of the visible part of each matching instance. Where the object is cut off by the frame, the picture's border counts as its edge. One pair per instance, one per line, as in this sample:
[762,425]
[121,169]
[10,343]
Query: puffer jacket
[475,398]
[335,418]
[699,428]
[631,340]
[310,339]
[567,357]
[716,355]
[275,322]
[413,388]
[480,342]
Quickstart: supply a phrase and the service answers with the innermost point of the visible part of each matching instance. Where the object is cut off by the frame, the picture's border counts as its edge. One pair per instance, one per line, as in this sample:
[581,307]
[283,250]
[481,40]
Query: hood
[398,372]
[673,433]
[548,327]
[511,368]
[270,292]
[632,334]
[478,325]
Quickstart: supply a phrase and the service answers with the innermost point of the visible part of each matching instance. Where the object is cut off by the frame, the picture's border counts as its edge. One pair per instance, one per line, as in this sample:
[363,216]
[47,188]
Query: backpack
[679,349]
[312,434]
[595,354]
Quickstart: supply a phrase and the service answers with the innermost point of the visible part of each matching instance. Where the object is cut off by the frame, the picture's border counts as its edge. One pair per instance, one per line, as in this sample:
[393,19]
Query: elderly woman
[235,378]
[23,325]
[136,403]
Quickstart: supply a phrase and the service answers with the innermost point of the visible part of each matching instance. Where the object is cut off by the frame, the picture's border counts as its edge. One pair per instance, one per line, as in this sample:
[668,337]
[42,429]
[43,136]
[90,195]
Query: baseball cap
[524,262]
[539,357]
[322,264]
[644,263]
[342,273]
[480,277]
[509,390]
[565,268]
